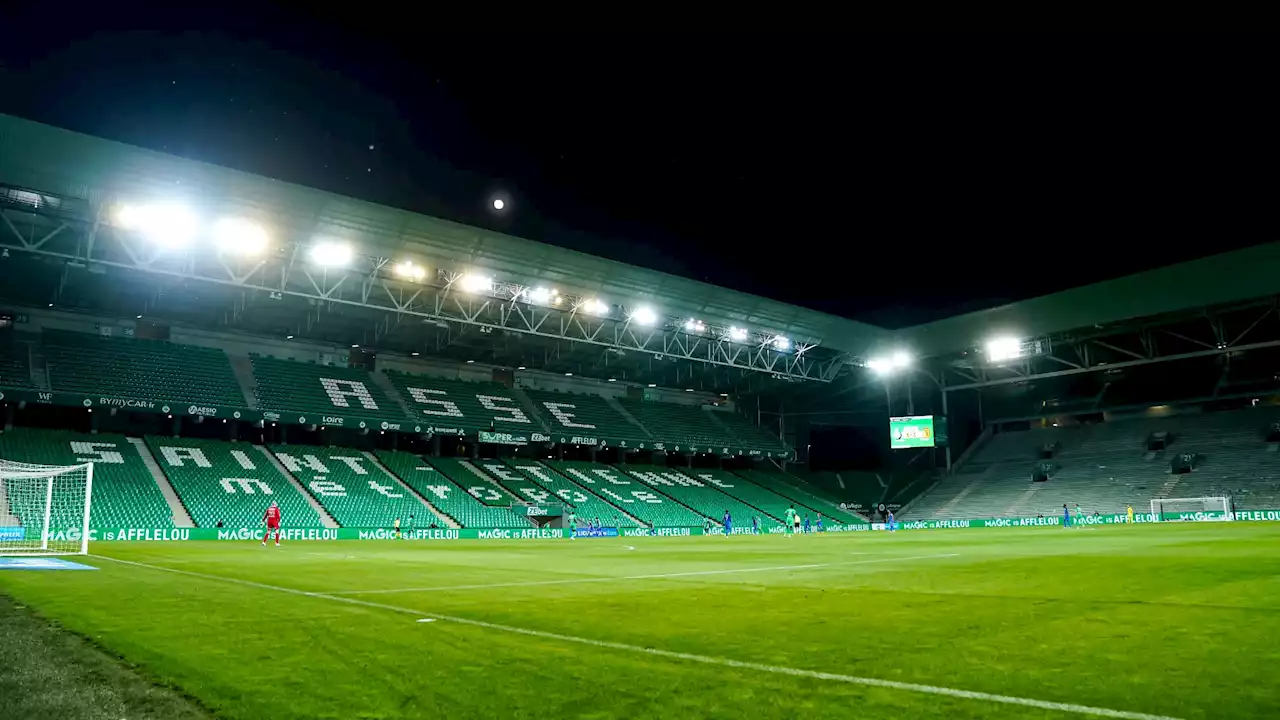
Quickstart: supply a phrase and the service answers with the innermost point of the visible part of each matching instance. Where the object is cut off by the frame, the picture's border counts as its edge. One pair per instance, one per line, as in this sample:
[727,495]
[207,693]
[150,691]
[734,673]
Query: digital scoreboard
[911,432]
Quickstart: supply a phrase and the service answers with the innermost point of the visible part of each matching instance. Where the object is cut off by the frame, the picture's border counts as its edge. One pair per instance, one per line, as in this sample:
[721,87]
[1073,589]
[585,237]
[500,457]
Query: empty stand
[539,483]
[785,486]
[139,369]
[317,391]
[350,487]
[680,425]
[1105,467]
[15,368]
[124,493]
[634,497]
[764,501]
[702,496]
[447,496]
[749,434]
[232,483]
[576,414]
[456,405]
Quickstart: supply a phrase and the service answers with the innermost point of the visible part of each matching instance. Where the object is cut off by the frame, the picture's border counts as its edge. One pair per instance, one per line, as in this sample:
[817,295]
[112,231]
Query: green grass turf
[1177,620]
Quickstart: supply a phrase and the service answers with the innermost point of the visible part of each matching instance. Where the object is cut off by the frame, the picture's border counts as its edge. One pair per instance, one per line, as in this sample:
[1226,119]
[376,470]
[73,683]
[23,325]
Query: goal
[1192,509]
[44,509]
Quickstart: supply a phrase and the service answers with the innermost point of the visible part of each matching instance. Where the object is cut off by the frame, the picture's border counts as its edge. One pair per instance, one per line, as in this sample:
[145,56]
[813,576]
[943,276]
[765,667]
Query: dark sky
[893,178]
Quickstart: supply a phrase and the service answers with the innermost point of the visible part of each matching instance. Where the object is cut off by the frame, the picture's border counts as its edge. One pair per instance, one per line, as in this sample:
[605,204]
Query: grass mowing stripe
[657,576]
[673,655]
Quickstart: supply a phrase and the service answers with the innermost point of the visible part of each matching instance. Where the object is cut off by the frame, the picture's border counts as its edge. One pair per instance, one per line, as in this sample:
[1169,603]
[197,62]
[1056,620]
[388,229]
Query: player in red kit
[272,519]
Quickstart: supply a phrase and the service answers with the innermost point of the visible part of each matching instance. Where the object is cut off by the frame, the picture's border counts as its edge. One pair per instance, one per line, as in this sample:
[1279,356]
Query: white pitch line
[657,576]
[688,657]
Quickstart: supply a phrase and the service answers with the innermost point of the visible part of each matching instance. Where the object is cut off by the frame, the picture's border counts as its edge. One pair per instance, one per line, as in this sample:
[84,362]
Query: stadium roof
[74,165]
[1217,280]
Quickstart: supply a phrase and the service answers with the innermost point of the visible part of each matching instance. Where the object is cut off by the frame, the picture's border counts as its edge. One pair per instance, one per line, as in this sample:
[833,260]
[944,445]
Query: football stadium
[272,452]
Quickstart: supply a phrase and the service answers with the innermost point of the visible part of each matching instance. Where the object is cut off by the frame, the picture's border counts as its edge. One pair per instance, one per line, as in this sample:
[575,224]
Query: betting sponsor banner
[596,532]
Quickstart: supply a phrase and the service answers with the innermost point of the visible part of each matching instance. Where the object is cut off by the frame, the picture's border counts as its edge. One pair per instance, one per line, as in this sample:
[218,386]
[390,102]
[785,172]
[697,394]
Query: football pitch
[1166,621]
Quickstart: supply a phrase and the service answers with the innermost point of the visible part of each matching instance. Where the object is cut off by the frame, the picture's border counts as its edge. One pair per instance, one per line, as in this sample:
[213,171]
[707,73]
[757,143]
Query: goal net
[44,509]
[1191,509]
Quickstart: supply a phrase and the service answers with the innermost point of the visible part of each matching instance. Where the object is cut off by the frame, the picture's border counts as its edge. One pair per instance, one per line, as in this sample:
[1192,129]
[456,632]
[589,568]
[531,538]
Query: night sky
[889,178]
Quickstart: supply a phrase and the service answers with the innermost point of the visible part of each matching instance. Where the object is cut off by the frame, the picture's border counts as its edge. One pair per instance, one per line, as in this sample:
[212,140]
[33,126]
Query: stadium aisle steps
[447,496]
[617,406]
[242,368]
[479,485]
[697,495]
[354,493]
[181,518]
[389,389]
[124,494]
[764,501]
[15,366]
[326,519]
[779,483]
[635,498]
[552,487]
[440,516]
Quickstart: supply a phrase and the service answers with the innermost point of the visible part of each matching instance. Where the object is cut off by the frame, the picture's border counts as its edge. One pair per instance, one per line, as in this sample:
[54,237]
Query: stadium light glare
[169,226]
[885,365]
[237,236]
[694,325]
[410,271]
[737,334]
[644,316]
[781,343]
[331,254]
[474,283]
[541,295]
[595,306]
[1003,348]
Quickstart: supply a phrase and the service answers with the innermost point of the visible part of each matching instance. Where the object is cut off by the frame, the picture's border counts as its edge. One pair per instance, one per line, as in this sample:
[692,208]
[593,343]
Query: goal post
[44,509]
[1196,509]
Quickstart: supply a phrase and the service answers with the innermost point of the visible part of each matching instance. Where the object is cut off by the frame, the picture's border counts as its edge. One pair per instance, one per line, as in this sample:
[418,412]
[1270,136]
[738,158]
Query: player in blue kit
[1066,516]
[755,524]
[728,524]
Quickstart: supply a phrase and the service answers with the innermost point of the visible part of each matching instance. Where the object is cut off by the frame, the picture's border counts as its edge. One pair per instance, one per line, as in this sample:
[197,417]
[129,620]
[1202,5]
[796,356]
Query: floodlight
[737,333]
[644,316]
[880,366]
[409,271]
[499,203]
[1003,348]
[473,283]
[900,359]
[539,295]
[595,307]
[890,364]
[330,253]
[236,236]
[169,226]
[781,343]
[694,325]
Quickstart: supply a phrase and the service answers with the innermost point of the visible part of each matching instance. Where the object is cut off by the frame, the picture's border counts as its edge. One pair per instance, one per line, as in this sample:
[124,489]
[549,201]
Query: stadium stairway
[242,368]
[124,494]
[540,484]
[477,484]
[326,520]
[181,518]
[229,482]
[355,493]
[382,381]
[439,516]
[16,367]
[617,406]
[448,497]
[634,498]
[785,486]
[700,497]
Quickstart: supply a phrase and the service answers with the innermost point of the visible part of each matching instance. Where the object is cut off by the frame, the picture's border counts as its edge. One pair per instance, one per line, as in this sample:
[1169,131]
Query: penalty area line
[620,578]
[674,655]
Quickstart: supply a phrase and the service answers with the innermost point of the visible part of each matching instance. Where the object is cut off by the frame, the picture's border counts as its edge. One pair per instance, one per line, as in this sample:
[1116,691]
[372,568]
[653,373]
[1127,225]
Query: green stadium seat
[124,492]
[229,482]
[139,369]
[354,491]
[765,501]
[748,434]
[572,415]
[633,497]
[447,496]
[680,426]
[785,486]
[702,497]
[538,483]
[453,406]
[320,391]
[468,477]
[15,366]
